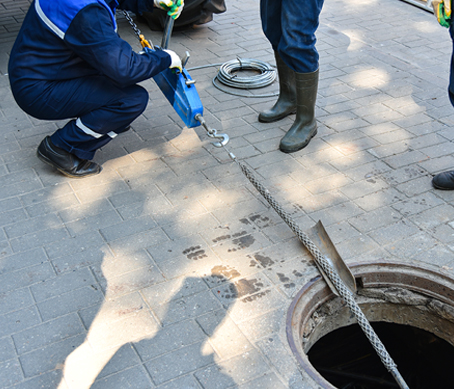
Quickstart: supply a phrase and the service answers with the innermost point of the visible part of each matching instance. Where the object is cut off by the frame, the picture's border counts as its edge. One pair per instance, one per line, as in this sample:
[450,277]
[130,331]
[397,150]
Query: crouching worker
[69,63]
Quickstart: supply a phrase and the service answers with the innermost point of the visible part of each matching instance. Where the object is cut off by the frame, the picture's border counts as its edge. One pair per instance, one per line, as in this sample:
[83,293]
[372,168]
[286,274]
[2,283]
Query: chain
[133,25]
[139,35]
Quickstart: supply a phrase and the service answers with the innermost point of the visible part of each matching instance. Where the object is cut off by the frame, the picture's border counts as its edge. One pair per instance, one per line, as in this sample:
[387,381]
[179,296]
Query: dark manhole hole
[346,359]
[411,308]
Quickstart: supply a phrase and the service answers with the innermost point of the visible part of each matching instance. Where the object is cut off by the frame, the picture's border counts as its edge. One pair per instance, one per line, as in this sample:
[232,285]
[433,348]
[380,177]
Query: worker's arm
[92,37]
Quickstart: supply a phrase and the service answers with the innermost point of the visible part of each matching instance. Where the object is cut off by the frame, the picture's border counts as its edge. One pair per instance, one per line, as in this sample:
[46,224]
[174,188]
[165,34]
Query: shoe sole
[47,161]
[440,187]
[288,151]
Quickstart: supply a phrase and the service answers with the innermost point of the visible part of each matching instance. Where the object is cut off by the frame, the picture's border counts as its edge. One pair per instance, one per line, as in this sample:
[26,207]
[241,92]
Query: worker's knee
[138,99]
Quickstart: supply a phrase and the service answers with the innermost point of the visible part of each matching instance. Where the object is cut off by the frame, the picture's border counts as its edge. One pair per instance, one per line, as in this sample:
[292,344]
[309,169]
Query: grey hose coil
[227,75]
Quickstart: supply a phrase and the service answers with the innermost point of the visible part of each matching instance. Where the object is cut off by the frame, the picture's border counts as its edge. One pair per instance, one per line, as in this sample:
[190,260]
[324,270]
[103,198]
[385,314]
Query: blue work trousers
[290,27]
[451,73]
[99,110]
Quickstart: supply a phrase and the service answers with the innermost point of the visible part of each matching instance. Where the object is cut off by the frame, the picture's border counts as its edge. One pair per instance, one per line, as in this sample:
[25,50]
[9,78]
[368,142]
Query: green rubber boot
[305,126]
[286,102]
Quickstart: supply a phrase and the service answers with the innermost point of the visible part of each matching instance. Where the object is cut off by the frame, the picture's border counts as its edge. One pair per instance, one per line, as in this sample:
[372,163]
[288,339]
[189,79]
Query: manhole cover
[410,308]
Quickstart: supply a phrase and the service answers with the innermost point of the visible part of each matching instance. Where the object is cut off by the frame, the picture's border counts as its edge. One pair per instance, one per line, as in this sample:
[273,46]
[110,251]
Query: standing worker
[68,62]
[442,11]
[290,27]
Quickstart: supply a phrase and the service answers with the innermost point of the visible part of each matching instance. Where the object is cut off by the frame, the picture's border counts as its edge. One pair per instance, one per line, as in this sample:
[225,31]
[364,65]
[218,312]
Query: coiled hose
[228,75]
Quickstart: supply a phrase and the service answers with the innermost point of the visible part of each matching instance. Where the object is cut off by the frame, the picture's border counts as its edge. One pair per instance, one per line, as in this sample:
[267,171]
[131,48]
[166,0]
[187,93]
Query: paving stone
[78,244]
[181,361]
[11,373]
[170,338]
[20,279]
[186,382]
[15,300]
[49,357]
[19,320]
[269,380]
[187,307]
[417,204]
[234,371]
[135,377]
[56,286]
[47,333]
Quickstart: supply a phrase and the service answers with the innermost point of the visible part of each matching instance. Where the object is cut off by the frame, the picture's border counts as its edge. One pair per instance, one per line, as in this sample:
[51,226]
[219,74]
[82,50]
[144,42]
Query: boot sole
[47,161]
[288,151]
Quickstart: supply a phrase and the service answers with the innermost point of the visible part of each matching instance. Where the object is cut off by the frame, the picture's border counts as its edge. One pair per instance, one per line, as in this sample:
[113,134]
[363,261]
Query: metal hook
[223,138]
[211,132]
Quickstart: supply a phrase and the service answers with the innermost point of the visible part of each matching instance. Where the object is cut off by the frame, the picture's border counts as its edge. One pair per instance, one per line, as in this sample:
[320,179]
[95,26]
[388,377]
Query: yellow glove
[442,11]
[172,7]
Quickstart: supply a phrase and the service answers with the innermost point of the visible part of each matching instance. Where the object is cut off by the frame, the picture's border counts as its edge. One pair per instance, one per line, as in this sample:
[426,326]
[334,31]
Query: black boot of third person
[305,126]
[444,180]
[65,162]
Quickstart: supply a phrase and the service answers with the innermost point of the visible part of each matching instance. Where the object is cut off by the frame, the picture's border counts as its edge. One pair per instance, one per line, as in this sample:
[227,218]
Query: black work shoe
[444,180]
[66,163]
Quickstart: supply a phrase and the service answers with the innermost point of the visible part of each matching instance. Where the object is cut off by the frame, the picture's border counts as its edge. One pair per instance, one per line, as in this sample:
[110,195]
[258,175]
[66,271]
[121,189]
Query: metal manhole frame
[417,278]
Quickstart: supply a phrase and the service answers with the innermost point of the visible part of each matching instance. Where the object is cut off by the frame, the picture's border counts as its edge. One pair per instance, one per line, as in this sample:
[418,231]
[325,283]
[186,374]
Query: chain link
[133,25]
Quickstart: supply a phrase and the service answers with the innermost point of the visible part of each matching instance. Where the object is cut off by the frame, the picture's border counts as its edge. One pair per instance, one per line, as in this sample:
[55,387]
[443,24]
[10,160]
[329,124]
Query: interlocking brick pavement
[169,270]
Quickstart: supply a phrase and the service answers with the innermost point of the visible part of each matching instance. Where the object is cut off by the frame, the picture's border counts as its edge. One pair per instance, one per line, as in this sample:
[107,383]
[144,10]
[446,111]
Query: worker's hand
[172,7]
[176,61]
[442,11]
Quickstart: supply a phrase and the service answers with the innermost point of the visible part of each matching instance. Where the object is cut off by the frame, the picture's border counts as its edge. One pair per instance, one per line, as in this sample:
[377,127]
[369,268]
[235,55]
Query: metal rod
[419,4]
[168,28]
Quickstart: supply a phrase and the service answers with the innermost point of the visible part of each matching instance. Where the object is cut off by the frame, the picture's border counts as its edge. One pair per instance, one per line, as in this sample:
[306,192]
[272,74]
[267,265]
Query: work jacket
[67,39]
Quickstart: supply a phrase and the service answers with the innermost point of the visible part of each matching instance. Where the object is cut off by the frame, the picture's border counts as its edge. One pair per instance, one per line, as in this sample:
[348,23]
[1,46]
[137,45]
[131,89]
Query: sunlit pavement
[169,270]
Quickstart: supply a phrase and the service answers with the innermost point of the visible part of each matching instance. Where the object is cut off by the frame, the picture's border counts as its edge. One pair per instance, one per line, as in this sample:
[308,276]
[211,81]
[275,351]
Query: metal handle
[168,28]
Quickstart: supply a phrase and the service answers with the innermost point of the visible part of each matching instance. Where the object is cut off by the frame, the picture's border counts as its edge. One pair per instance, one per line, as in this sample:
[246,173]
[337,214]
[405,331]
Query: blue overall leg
[445,180]
[99,111]
[290,26]
[451,73]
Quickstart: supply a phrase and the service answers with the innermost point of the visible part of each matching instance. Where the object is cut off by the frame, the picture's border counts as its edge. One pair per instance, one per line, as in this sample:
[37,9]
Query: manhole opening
[346,359]
[411,308]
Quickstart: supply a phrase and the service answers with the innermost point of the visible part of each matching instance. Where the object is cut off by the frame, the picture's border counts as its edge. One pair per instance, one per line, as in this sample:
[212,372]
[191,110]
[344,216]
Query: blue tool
[178,87]
[182,94]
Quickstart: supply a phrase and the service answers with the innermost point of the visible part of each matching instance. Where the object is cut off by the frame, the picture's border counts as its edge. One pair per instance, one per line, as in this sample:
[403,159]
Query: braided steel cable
[228,73]
[226,76]
[340,286]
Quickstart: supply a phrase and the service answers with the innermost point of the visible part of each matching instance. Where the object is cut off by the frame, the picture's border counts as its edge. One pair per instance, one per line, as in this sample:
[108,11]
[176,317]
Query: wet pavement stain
[195,253]
[221,238]
[263,260]
[282,277]
[255,296]
[241,289]
[242,243]
[224,272]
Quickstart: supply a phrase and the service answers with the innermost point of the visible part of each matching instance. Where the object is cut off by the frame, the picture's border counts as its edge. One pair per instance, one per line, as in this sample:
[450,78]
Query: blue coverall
[68,62]
[290,27]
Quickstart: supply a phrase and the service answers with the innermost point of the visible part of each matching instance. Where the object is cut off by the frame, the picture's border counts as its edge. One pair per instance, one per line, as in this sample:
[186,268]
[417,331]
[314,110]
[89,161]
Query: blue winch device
[180,91]
[178,87]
